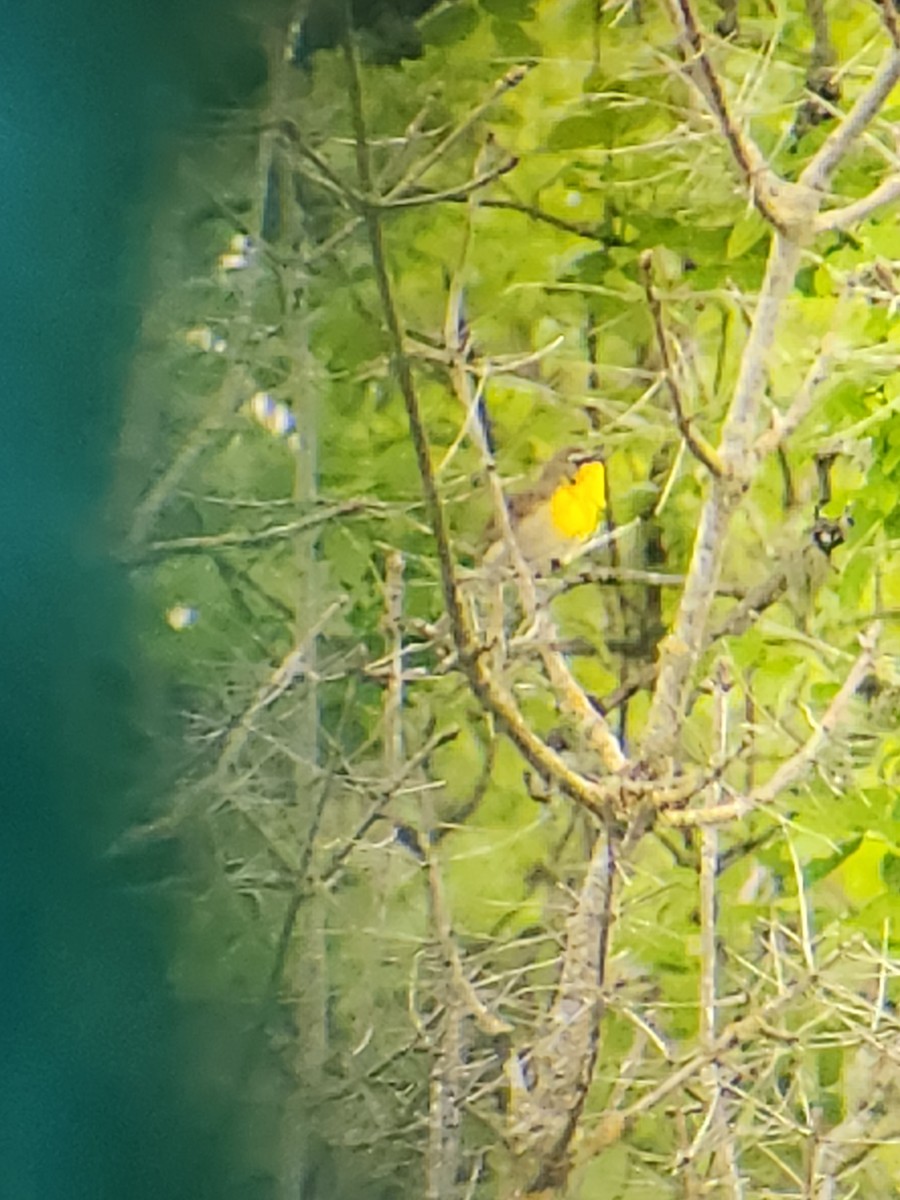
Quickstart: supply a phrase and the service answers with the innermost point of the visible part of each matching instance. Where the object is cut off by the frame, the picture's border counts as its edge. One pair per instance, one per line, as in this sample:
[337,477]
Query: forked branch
[794,768]
[794,214]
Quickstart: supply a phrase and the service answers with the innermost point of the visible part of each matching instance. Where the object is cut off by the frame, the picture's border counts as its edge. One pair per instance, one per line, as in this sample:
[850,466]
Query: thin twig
[203,543]
[384,793]
[339,185]
[393,697]
[785,424]
[806,939]
[510,80]
[793,770]
[746,153]
[292,667]
[462,192]
[699,446]
[486,1021]
[589,232]
[495,697]
[195,444]
[569,692]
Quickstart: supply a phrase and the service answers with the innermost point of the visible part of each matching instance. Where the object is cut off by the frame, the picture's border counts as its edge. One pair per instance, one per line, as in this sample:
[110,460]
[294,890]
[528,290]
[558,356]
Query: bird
[549,520]
[556,514]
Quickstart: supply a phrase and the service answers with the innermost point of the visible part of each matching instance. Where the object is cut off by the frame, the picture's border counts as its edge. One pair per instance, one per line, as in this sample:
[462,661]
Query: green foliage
[332,806]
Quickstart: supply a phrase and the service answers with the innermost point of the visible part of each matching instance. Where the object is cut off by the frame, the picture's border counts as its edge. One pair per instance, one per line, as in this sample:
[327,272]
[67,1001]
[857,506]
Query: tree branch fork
[792,209]
[647,788]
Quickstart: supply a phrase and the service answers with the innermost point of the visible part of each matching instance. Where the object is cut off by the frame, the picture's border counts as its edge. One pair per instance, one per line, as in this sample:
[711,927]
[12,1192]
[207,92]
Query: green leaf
[890,870]
[512,39]
[821,868]
[510,10]
[747,231]
[574,132]
[451,25]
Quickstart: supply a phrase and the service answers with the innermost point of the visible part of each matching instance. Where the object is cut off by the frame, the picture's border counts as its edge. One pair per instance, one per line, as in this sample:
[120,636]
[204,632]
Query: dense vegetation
[596,896]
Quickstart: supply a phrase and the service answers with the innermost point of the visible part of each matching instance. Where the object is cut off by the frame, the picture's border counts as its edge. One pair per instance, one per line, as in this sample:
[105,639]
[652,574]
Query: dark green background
[94,1079]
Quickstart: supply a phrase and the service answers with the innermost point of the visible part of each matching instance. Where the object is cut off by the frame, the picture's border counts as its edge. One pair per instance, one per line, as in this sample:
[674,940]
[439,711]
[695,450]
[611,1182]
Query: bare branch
[462,192]
[793,770]
[271,533]
[496,698]
[194,446]
[797,765]
[393,697]
[699,447]
[446,1092]
[445,1103]
[891,24]
[818,172]
[575,700]
[292,667]
[681,648]
[848,215]
[784,424]
[747,155]
[823,54]
[547,1095]
[510,80]
[535,213]
[466,994]
[709,869]
[805,925]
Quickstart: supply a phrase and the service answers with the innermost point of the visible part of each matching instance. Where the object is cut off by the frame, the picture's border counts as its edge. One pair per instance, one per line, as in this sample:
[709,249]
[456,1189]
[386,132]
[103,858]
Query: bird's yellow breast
[548,530]
[576,507]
